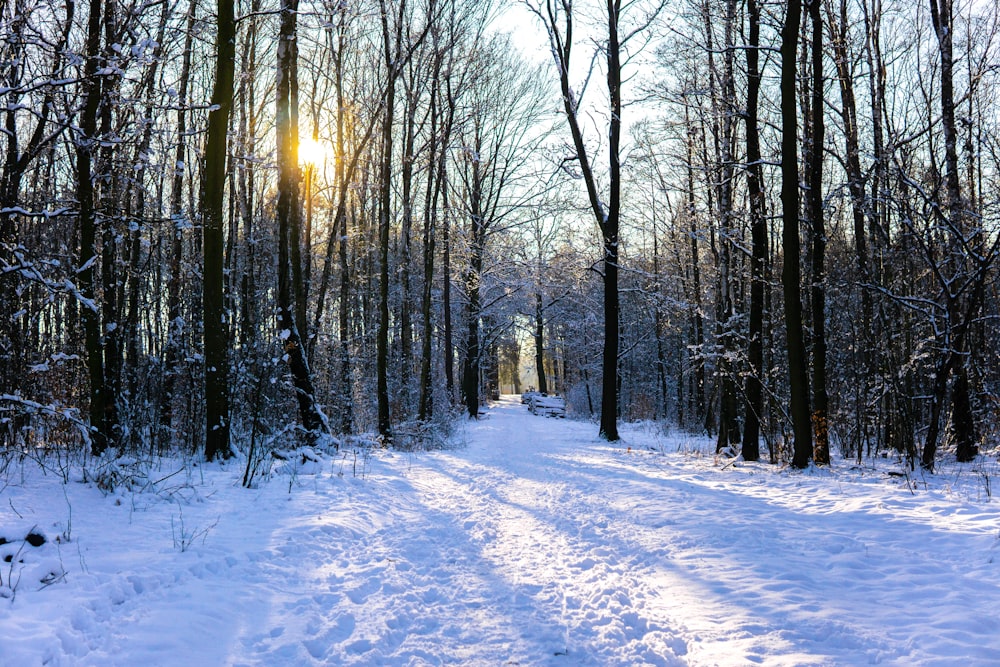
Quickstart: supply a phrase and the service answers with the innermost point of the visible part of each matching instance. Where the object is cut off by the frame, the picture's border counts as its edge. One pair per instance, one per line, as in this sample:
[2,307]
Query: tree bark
[101,436]
[958,307]
[724,128]
[607,217]
[391,52]
[216,320]
[821,445]
[610,379]
[289,213]
[798,379]
[540,344]
[178,223]
[753,387]
[435,175]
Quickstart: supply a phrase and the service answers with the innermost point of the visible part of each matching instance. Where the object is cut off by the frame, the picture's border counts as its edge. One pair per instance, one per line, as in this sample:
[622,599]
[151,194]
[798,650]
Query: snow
[532,542]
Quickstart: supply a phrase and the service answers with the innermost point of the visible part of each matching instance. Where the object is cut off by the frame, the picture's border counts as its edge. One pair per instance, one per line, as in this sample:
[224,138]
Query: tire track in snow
[538,528]
[643,584]
[598,596]
[383,578]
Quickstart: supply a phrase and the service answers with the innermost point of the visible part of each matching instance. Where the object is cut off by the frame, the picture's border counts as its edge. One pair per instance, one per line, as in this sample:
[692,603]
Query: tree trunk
[724,128]
[435,175]
[405,243]
[539,344]
[821,446]
[109,201]
[289,214]
[695,357]
[758,259]
[473,277]
[798,379]
[957,229]
[610,379]
[216,320]
[101,436]
[661,355]
[178,223]
[607,217]
[449,334]
[391,52]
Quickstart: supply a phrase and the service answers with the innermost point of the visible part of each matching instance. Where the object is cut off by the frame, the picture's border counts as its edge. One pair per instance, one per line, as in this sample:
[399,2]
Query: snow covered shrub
[110,473]
[298,461]
[50,434]
[27,558]
[422,435]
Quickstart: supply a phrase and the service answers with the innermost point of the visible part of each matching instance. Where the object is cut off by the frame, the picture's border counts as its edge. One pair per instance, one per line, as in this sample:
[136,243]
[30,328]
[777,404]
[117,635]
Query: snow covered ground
[532,543]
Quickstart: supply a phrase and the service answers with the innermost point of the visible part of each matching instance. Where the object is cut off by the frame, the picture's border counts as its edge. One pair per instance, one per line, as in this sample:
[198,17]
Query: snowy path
[535,544]
[540,544]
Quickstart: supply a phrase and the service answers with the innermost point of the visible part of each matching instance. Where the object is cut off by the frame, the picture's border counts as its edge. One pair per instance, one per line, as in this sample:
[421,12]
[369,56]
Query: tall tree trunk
[449,340]
[695,357]
[101,435]
[391,52]
[289,214]
[440,130]
[610,379]
[109,202]
[216,320]
[471,365]
[344,330]
[288,104]
[249,313]
[661,354]
[133,291]
[425,405]
[758,253]
[798,379]
[821,446]
[724,125]
[607,216]
[957,226]
[405,242]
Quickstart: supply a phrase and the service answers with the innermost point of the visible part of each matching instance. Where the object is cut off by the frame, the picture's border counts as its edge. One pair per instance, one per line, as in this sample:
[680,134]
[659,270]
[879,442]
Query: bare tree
[289,213]
[798,379]
[814,155]
[557,16]
[216,319]
[101,426]
[753,389]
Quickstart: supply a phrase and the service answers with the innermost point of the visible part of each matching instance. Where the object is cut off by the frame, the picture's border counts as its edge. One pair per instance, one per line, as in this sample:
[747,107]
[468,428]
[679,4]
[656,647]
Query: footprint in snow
[362,592]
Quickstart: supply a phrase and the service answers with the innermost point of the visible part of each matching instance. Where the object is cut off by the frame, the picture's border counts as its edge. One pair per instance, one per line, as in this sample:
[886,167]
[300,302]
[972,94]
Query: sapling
[184,539]
[67,533]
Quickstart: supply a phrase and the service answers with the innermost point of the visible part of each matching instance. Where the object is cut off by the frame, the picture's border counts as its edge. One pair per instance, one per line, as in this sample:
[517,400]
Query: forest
[237,226]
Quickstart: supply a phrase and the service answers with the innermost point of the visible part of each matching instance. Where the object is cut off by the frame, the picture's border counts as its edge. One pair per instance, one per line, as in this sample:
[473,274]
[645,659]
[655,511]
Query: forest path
[481,555]
[532,542]
[540,544]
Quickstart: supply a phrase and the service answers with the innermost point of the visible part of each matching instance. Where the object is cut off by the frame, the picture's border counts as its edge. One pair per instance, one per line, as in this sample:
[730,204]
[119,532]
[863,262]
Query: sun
[313,152]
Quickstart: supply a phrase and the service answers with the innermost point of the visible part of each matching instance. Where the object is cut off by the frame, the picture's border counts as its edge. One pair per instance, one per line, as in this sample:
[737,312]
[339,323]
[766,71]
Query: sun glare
[312,152]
